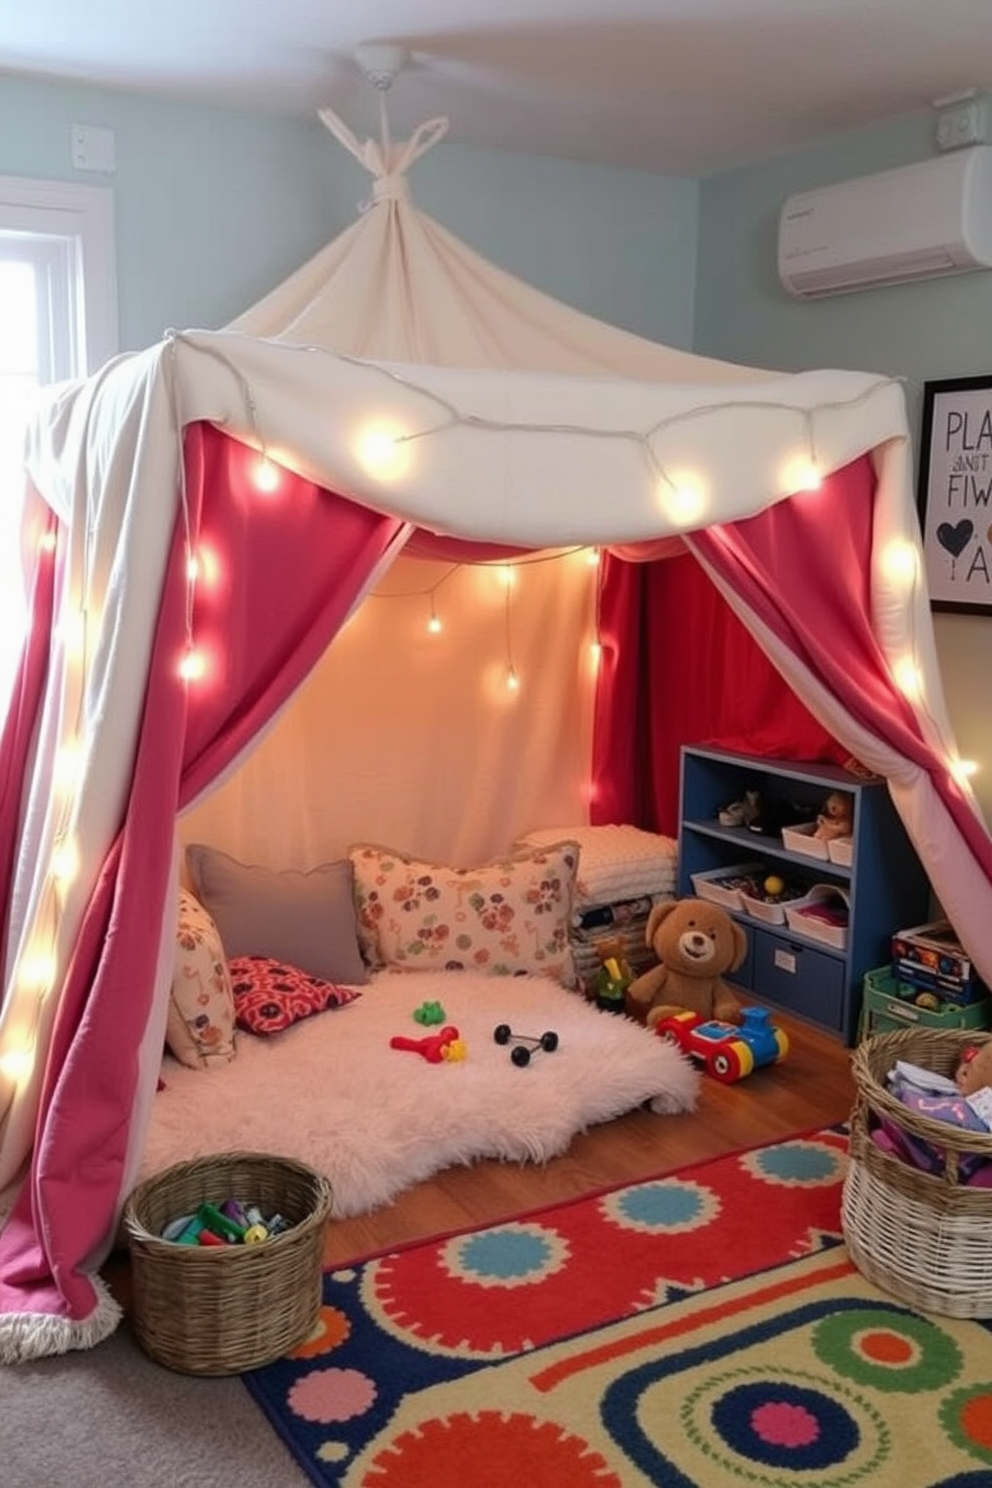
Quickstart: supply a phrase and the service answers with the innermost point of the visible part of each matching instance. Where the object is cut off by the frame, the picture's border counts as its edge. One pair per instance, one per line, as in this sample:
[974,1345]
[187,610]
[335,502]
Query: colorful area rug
[699,1331]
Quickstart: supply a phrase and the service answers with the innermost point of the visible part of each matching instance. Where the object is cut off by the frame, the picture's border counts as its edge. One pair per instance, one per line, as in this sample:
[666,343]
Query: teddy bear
[835,818]
[696,943]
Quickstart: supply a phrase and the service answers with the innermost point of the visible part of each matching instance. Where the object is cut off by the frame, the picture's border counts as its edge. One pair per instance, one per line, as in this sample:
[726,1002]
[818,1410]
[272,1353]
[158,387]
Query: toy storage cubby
[884,884]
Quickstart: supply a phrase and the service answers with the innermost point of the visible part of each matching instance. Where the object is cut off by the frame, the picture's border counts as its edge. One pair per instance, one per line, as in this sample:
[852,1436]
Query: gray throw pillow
[306,919]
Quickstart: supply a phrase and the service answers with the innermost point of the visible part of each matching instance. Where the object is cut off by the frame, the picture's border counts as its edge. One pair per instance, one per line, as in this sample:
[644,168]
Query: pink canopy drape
[680,666]
[288,568]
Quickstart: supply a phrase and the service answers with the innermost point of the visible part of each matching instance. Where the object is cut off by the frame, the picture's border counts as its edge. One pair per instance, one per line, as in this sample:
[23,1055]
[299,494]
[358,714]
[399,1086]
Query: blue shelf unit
[886,885]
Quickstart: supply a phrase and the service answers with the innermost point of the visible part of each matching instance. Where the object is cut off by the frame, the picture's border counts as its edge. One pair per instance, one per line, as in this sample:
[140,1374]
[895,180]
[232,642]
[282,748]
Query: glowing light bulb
[192,666]
[74,635]
[908,678]
[595,650]
[683,501]
[16,1064]
[900,562]
[48,541]
[383,451]
[512,680]
[65,862]
[963,770]
[68,765]
[434,625]
[192,568]
[508,575]
[593,556]
[265,476]
[38,969]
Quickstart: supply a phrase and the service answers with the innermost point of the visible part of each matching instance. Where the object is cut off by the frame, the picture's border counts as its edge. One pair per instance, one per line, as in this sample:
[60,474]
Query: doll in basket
[964,1101]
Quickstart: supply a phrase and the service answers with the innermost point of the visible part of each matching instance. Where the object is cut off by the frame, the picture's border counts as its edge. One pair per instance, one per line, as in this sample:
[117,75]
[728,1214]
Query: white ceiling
[677,86]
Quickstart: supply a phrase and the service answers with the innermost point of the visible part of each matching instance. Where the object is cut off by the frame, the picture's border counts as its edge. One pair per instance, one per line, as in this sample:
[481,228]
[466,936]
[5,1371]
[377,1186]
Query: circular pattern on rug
[329,1396]
[799,1164]
[509,1256]
[887,1350]
[331,1329]
[669,1207]
[488,1450]
[473,1296]
[758,1427]
[966,1416]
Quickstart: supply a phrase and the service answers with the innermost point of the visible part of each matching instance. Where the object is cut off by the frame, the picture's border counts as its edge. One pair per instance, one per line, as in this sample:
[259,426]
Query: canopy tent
[492,417]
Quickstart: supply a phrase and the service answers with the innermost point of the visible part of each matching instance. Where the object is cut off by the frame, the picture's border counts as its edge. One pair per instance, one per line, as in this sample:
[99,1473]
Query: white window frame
[83,217]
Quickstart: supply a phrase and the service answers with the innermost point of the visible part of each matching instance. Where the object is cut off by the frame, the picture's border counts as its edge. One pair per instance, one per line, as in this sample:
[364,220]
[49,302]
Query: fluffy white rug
[331,1092]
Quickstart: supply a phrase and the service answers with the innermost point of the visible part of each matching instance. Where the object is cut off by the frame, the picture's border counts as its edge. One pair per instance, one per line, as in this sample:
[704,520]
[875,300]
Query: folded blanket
[615,862]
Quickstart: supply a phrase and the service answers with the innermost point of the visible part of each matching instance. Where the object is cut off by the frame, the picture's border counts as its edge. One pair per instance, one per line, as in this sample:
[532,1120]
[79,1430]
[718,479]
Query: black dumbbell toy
[524,1044]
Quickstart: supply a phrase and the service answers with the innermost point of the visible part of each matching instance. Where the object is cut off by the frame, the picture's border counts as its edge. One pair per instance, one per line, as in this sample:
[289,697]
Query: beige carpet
[110,1418]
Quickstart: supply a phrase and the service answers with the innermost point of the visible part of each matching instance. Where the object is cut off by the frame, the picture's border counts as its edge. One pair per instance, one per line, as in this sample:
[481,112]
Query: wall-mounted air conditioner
[915,222]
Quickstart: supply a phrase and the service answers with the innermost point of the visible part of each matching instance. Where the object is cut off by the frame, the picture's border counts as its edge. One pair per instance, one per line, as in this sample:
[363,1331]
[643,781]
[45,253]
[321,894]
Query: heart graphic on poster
[955,538]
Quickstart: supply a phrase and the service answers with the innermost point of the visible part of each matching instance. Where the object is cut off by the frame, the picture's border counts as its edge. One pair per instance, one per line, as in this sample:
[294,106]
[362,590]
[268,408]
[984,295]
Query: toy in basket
[925,1237]
[224,1309]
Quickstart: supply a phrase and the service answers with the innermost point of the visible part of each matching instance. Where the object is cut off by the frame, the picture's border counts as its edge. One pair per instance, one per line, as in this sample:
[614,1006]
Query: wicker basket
[925,1238]
[203,1310]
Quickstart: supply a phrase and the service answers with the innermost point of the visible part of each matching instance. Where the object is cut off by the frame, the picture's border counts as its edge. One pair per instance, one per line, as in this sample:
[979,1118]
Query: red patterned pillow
[270,995]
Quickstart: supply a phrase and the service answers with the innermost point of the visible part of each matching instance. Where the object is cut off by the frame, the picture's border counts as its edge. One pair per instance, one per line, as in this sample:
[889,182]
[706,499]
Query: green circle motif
[939,1362]
[952,1411]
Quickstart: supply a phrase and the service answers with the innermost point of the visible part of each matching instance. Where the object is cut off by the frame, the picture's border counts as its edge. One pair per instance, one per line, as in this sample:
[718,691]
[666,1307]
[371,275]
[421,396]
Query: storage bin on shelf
[800,839]
[822,915]
[720,885]
[888,1004]
[925,1238]
[225,1309]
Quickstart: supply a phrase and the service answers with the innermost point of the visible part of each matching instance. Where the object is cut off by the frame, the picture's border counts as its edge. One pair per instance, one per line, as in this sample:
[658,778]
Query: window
[58,319]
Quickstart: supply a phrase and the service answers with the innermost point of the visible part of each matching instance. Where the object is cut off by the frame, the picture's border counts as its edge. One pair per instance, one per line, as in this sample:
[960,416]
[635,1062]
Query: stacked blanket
[622,872]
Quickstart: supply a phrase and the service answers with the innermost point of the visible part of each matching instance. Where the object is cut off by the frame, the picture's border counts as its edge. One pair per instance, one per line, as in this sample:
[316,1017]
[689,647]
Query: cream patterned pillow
[508,917]
[200,1026]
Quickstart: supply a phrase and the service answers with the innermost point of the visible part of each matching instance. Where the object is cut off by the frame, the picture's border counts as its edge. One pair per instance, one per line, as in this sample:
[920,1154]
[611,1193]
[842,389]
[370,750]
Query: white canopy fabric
[403,372]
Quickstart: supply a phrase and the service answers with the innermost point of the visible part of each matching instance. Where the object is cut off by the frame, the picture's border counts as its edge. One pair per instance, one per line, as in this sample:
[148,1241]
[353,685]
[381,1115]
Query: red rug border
[441,1236]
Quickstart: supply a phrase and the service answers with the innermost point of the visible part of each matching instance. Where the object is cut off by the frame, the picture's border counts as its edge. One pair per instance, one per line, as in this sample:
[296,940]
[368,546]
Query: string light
[193,665]
[65,862]
[265,475]
[907,677]
[962,770]
[434,625]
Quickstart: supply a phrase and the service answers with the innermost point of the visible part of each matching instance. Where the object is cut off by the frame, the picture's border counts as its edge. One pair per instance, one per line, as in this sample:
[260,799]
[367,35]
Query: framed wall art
[955,493]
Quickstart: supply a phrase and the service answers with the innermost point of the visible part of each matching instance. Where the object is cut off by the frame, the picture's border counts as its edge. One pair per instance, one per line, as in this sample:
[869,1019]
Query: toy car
[729,1051]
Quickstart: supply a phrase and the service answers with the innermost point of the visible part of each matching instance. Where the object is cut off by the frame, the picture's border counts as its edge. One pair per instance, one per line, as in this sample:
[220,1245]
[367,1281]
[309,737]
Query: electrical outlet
[962,125]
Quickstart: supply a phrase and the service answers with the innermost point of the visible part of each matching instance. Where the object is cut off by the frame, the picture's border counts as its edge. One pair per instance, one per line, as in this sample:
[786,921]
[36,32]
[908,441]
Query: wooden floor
[811,1088]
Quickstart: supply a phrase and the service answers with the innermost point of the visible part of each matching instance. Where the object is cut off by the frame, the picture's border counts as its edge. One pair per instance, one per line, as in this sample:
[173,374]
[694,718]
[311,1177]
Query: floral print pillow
[509,917]
[200,1026]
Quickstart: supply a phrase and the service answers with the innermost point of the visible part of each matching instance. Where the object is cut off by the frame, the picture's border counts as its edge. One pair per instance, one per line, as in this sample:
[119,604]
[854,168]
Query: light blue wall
[215,207]
[929,330]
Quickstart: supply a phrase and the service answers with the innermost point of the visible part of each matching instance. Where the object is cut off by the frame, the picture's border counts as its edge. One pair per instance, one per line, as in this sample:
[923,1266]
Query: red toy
[729,1051]
[446,1044]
